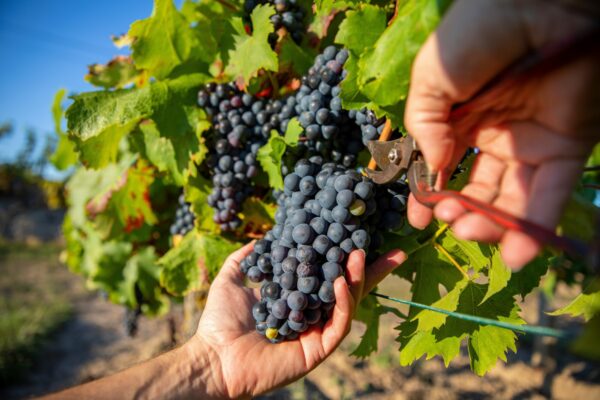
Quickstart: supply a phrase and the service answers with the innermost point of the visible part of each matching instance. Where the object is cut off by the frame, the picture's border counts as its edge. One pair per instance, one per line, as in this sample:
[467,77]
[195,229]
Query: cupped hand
[533,139]
[247,363]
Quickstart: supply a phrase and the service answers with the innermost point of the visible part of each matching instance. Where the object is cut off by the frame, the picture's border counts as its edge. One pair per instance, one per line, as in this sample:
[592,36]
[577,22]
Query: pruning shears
[401,158]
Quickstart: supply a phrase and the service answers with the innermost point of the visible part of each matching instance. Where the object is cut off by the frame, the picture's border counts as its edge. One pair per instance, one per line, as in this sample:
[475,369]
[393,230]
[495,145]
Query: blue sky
[47,45]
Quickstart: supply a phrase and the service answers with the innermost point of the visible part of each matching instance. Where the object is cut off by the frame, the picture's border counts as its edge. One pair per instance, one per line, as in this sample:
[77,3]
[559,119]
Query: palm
[251,365]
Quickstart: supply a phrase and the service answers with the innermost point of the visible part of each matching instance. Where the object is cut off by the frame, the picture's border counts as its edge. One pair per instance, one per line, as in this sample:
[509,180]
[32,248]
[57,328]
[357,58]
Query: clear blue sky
[47,45]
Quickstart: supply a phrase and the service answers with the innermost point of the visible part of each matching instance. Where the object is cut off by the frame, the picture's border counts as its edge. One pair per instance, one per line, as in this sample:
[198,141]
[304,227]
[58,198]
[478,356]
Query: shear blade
[380,151]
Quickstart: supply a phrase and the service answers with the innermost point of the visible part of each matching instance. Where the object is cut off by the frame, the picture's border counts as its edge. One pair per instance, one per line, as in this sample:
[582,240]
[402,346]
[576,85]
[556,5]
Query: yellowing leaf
[119,72]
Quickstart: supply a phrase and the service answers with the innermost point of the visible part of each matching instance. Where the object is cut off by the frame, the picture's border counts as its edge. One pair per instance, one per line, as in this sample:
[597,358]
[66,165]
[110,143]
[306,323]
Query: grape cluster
[370,126]
[241,125]
[131,320]
[325,212]
[288,15]
[329,130]
[184,218]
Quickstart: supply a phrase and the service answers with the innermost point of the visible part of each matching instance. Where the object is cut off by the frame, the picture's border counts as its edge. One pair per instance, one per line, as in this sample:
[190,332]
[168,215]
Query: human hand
[242,362]
[533,140]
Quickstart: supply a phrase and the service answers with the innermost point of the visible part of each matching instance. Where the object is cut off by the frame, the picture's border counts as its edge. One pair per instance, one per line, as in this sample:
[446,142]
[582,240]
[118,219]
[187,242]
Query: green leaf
[196,193]
[212,22]
[429,320]
[369,312]
[269,156]
[293,132]
[87,184]
[253,52]
[294,57]
[586,304]
[166,41]
[142,270]
[214,250]
[97,121]
[578,220]
[438,282]
[118,73]
[65,155]
[486,344]
[98,151]
[180,271]
[498,274]
[586,345]
[384,69]
[353,32]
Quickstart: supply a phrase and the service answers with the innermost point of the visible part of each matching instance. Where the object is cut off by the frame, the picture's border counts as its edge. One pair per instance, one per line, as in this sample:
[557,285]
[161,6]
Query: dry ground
[93,344]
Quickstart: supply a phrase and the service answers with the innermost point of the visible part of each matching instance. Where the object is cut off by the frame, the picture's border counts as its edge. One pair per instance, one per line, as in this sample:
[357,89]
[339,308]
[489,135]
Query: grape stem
[274,83]
[385,135]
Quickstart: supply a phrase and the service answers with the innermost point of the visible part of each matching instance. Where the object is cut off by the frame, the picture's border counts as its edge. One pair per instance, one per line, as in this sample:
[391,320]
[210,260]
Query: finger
[419,215]
[529,142]
[355,273]
[338,326]
[484,183]
[550,188]
[472,226]
[517,249]
[231,266]
[381,268]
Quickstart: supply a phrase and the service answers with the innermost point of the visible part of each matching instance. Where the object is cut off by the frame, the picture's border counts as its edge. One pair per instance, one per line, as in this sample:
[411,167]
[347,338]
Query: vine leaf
[369,312]
[143,271]
[87,185]
[293,132]
[65,155]
[586,304]
[181,265]
[214,250]
[439,282]
[180,273]
[165,42]
[270,155]
[498,274]
[352,33]
[384,69]
[128,208]
[196,193]
[117,73]
[253,52]
[97,121]
[294,57]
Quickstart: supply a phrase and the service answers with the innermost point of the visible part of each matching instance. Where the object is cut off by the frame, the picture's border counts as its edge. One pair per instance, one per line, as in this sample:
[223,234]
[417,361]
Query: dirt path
[94,344]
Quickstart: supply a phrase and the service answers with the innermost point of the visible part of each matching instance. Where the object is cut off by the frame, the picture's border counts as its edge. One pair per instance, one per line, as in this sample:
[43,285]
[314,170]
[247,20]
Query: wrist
[204,370]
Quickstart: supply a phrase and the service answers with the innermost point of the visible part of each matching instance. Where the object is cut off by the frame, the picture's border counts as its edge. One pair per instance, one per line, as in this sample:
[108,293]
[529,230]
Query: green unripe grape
[358,207]
[271,333]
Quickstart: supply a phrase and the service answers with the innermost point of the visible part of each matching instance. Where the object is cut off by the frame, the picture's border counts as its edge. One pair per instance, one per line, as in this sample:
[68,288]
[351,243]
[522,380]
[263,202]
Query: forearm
[190,371]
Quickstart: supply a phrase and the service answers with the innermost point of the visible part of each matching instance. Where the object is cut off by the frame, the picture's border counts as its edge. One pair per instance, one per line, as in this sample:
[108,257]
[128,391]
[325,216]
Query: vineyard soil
[93,344]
